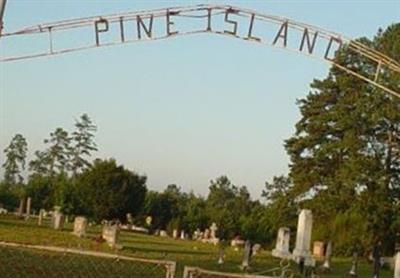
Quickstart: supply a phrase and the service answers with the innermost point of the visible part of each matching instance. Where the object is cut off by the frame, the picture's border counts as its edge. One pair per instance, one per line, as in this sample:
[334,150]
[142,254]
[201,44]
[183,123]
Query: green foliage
[41,190]
[345,153]
[15,160]
[58,151]
[227,205]
[108,191]
[83,143]
[8,196]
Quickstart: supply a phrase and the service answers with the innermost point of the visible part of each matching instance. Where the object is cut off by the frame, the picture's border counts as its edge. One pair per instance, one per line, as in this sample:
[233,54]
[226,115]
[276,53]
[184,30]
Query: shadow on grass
[126,240]
[166,251]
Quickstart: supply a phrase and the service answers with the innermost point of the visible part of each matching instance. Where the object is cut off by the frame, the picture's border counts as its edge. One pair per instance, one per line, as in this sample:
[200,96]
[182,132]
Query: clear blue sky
[183,110]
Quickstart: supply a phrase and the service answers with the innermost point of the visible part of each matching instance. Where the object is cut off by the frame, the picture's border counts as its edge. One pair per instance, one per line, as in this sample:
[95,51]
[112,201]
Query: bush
[108,191]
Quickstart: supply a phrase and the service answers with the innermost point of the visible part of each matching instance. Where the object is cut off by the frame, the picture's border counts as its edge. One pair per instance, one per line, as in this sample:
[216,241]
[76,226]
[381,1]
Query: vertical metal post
[2,8]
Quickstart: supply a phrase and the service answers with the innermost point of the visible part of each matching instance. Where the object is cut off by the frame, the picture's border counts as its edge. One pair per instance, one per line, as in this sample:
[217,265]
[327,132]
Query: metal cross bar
[313,39]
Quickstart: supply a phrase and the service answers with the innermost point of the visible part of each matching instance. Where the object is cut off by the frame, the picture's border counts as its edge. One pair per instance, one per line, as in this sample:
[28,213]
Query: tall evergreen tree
[58,151]
[15,160]
[83,143]
[345,153]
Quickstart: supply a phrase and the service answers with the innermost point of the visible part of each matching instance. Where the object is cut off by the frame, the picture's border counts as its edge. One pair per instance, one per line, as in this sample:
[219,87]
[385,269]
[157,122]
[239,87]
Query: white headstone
[246,255]
[110,234]
[28,207]
[163,233]
[206,234]
[282,244]
[255,249]
[328,255]
[21,207]
[41,216]
[196,234]
[58,219]
[129,218]
[213,230]
[397,266]
[182,234]
[80,224]
[175,233]
[303,238]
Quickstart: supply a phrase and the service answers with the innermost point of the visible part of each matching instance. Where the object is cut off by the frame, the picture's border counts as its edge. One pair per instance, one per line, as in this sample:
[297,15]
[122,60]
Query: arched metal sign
[99,31]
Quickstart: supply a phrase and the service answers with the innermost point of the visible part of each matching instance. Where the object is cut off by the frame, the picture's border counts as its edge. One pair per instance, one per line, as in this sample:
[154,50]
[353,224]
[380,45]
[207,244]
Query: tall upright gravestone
[397,265]
[21,207]
[28,207]
[41,216]
[246,255]
[303,238]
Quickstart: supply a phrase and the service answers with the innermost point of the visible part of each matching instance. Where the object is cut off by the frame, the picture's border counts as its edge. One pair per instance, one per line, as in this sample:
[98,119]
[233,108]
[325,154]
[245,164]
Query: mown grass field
[185,253]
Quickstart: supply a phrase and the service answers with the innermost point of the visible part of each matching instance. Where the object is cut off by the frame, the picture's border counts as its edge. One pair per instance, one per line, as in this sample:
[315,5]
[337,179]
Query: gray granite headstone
[397,265]
[328,255]
[41,216]
[282,244]
[111,234]
[28,207]
[21,207]
[80,224]
[58,220]
[246,255]
[354,265]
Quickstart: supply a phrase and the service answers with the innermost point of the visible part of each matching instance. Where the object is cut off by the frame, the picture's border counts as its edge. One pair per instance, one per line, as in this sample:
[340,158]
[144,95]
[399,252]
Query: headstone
[301,251]
[354,265]
[183,234]
[149,220]
[213,230]
[376,254]
[110,234]
[129,218]
[328,256]
[196,234]
[246,255]
[21,207]
[397,265]
[41,216]
[282,244]
[175,233]
[58,220]
[221,252]
[318,249]
[80,224]
[28,207]
[206,234]
[163,233]
[255,249]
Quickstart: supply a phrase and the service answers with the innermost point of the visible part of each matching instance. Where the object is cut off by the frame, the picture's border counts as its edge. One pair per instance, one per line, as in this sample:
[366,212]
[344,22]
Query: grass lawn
[185,253]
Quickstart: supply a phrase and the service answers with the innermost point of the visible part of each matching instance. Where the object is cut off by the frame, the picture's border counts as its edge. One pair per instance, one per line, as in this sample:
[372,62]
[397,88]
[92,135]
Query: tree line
[344,166]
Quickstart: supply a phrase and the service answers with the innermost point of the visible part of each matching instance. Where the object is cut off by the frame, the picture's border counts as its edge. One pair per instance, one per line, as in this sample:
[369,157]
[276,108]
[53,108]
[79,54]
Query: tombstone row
[302,251]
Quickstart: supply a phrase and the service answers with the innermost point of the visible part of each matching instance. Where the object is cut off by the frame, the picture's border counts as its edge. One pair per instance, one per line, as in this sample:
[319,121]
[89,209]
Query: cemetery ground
[183,252]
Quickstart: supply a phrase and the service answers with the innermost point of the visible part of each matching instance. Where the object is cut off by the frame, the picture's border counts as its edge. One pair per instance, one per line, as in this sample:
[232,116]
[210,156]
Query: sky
[184,110]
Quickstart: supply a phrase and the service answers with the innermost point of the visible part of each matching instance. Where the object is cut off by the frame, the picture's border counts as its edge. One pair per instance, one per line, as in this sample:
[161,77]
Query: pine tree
[84,144]
[345,153]
[15,160]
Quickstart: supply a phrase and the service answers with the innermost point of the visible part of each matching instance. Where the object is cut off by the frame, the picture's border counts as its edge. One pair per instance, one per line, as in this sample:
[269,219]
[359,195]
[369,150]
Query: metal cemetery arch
[236,22]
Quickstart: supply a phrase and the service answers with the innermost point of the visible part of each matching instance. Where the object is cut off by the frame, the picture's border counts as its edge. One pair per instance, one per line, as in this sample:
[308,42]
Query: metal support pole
[2,8]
